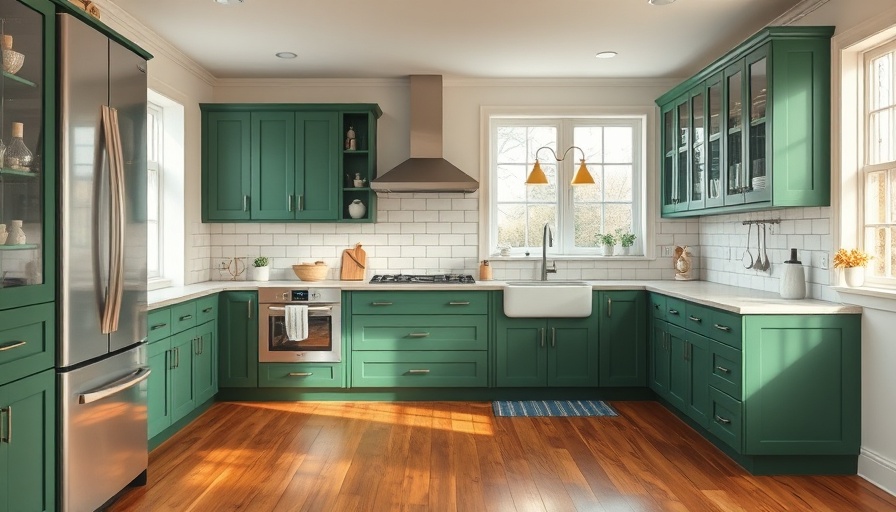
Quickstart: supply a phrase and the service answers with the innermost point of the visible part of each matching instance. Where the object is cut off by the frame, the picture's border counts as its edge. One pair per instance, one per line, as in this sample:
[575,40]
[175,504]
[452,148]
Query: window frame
[159,134]
[639,122]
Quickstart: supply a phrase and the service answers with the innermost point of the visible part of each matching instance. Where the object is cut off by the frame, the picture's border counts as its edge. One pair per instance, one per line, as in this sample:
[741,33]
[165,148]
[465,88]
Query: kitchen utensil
[747,258]
[765,263]
[758,263]
[354,264]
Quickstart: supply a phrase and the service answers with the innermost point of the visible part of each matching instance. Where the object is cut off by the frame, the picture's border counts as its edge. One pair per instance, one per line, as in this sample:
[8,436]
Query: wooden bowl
[316,271]
[12,61]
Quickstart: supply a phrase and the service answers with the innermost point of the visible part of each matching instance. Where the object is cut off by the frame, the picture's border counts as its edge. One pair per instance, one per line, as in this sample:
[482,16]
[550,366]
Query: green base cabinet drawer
[159,322]
[657,306]
[419,369]
[727,369]
[206,309]
[675,311]
[27,341]
[414,302]
[183,317]
[420,332]
[726,327]
[300,375]
[726,419]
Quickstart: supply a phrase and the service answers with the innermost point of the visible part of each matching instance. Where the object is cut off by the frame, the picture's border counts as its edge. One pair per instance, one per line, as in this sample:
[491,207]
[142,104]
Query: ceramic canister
[793,282]
[357,209]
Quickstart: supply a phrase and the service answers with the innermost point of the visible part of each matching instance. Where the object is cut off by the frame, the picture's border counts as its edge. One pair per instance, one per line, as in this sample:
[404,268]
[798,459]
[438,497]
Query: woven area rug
[552,408]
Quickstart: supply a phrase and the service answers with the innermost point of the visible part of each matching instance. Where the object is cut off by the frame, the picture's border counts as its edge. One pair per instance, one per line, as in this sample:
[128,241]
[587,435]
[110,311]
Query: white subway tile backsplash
[452,216]
[401,216]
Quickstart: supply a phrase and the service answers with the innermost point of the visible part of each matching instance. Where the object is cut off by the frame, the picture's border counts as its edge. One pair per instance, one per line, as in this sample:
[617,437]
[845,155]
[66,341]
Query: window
[154,158]
[878,173]
[612,150]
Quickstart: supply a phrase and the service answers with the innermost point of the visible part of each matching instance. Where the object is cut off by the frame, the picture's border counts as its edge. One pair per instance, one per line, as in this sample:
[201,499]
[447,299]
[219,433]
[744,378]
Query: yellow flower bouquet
[851,258]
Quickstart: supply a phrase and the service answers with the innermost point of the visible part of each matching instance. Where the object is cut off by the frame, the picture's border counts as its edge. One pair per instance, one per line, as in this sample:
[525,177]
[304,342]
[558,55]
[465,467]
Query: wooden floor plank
[435,456]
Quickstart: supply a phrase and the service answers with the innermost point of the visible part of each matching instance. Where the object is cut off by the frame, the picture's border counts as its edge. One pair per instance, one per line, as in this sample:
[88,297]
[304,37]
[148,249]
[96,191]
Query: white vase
[626,250]
[608,250]
[854,276]
[16,235]
[357,209]
[262,273]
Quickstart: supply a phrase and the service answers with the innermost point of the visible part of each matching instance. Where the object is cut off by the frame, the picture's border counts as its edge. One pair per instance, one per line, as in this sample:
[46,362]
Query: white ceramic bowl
[12,61]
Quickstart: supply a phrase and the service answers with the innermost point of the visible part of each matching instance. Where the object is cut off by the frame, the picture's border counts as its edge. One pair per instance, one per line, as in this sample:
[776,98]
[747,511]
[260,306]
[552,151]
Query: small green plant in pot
[262,271]
[626,240]
[608,241]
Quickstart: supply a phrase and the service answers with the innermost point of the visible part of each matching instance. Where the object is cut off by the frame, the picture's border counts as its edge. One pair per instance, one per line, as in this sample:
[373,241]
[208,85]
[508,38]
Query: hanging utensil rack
[764,221]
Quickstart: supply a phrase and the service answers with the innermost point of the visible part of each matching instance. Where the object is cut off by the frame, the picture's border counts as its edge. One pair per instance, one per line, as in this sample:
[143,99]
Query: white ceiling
[462,38]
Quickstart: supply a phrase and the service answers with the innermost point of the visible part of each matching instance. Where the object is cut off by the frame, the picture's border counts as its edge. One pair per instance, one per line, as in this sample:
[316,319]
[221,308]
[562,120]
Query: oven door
[323,344]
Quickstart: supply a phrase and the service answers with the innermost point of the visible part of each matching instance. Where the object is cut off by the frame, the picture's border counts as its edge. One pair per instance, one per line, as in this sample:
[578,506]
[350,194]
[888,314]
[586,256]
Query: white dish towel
[296,322]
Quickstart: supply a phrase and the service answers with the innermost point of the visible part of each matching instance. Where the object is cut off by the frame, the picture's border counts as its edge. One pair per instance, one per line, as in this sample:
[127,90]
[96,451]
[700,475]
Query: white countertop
[744,301]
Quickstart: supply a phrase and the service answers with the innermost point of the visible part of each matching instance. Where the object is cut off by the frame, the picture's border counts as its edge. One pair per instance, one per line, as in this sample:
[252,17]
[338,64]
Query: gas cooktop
[423,279]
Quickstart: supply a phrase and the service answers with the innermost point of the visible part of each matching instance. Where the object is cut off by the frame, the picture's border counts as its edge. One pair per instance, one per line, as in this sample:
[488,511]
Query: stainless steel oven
[324,341]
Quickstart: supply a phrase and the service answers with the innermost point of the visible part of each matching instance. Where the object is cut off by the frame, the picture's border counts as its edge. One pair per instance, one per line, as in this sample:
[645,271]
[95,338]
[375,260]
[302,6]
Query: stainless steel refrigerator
[101,355]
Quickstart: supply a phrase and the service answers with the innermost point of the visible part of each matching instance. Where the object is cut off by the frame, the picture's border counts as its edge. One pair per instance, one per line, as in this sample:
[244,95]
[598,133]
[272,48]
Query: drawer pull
[722,327]
[8,438]
[418,334]
[673,312]
[459,303]
[542,337]
[695,319]
[418,372]
[207,310]
[723,421]
[300,374]
[11,345]
[186,317]
[380,303]
[157,326]
[723,369]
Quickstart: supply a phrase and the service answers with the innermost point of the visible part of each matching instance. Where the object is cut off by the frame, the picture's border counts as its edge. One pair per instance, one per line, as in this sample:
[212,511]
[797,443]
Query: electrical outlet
[668,250]
[823,262]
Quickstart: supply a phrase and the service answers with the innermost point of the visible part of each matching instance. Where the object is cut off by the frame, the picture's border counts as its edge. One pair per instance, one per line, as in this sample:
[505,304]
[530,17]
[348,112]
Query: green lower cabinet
[300,375]
[158,384]
[205,362]
[27,443]
[455,368]
[183,397]
[801,392]
[689,373]
[660,357]
[559,352]
[238,340]
[623,338]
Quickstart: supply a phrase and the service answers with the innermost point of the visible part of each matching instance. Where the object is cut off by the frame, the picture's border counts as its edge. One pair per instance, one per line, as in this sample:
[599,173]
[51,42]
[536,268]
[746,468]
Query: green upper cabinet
[751,131]
[27,166]
[287,162]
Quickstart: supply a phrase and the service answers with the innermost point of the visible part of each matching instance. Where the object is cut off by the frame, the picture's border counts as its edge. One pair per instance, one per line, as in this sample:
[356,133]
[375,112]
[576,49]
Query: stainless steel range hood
[426,170]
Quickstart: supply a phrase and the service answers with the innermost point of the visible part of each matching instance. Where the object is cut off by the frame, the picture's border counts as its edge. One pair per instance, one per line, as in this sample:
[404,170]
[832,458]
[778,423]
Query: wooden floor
[434,456]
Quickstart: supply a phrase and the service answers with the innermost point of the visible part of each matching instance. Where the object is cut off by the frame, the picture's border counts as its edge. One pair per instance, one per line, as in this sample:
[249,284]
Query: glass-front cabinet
[27,161]
[750,131]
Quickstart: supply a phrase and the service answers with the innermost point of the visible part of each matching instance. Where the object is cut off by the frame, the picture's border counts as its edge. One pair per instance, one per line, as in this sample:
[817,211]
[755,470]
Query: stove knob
[285,295]
[315,295]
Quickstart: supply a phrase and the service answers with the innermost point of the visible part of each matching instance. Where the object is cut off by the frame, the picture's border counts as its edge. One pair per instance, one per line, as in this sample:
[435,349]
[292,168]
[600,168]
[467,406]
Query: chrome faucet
[547,240]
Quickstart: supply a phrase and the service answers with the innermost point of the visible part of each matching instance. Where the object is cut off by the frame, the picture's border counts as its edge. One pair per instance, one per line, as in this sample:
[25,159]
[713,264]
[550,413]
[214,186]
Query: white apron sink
[547,299]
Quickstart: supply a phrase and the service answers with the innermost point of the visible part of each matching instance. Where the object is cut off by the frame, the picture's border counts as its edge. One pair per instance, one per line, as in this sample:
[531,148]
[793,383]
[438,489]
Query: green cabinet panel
[317,145]
[205,361]
[520,352]
[268,162]
[183,397]
[158,386]
[726,419]
[801,384]
[300,375]
[419,332]
[238,340]
[573,353]
[660,359]
[206,309]
[183,316]
[27,341]
[159,324]
[727,369]
[27,448]
[623,338]
[226,166]
[679,370]
[415,302]
[273,165]
[766,142]
[457,368]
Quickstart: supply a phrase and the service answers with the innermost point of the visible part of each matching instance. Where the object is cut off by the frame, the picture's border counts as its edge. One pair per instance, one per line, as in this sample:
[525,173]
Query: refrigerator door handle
[114,387]
[112,305]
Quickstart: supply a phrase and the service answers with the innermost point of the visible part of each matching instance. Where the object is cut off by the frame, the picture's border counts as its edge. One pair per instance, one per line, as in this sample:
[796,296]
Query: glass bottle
[18,156]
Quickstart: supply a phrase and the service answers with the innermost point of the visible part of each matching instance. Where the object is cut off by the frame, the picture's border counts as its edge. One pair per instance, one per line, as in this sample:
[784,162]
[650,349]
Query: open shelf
[21,247]
[18,79]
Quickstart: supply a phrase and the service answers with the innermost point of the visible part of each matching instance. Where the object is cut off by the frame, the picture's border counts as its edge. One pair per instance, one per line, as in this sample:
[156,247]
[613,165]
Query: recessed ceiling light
[660,2]
[606,55]
[228,2]
[286,55]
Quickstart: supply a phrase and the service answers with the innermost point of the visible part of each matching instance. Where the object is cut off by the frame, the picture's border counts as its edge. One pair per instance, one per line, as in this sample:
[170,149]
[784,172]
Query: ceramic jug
[357,209]
[16,235]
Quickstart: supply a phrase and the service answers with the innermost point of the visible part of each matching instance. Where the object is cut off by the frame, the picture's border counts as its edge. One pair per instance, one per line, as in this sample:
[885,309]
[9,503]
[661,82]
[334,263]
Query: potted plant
[853,262]
[608,241]
[262,270]
[626,240]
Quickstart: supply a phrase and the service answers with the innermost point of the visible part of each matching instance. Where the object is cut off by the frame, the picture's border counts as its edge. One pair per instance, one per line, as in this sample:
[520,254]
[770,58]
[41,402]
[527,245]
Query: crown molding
[119,20]
[797,12]
[652,83]
[311,82]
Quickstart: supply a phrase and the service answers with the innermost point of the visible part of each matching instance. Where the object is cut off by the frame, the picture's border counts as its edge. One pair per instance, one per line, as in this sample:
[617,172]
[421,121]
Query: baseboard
[878,470]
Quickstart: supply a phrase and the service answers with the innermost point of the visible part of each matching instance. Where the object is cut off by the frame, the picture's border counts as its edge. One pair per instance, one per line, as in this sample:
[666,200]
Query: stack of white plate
[758,182]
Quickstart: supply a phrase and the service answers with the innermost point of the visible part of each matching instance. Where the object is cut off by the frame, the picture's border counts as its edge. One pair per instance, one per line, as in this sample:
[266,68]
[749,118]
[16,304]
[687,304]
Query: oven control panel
[305,295]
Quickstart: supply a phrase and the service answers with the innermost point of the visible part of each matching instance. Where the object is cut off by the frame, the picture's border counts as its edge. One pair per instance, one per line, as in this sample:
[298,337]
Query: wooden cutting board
[354,264]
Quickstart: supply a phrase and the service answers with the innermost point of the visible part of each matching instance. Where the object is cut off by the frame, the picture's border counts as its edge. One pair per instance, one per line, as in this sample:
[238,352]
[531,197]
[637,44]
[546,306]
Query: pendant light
[582,176]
